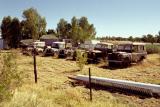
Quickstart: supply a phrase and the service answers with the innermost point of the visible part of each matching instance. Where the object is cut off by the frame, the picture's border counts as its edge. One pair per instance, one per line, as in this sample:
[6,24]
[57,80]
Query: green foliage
[15,32]
[9,76]
[11,29]
[34,25]
[63,29]
[81,59]
[145,38]
[82,30]
[79,29]
[151,49]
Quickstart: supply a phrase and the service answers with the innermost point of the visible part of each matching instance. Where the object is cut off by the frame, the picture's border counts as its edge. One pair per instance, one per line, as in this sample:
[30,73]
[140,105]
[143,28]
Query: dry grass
[55,90]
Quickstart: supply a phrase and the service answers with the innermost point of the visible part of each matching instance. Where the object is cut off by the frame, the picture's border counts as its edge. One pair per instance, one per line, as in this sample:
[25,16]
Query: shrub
[151,49]
[9,76]
[81,59]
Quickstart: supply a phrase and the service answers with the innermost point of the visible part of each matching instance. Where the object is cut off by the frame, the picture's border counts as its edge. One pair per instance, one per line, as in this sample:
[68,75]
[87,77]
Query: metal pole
[90,85]
[35,69]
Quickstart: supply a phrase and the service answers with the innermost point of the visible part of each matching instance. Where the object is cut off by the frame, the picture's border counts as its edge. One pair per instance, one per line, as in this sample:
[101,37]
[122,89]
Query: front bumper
[114,61]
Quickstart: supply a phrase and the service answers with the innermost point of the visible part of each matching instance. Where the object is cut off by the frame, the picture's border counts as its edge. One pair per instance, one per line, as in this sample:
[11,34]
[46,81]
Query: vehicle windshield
[61,46]
[124,47]
[58,46]
[86,46]
[39,45]
[104,46]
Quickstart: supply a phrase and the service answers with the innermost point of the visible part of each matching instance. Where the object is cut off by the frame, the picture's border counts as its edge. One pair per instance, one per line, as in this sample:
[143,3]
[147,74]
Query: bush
[81,59]
[151,49]
[9,76]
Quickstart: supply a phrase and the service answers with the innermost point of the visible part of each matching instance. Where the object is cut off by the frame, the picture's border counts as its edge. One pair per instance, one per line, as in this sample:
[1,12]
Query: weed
[81,59]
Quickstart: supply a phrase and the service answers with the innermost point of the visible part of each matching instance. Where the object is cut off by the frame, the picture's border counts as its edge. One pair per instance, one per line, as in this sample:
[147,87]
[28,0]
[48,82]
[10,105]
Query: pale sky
[110,17]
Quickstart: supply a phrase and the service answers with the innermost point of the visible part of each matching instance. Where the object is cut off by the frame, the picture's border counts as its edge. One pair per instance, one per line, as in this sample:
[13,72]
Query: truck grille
[113,56]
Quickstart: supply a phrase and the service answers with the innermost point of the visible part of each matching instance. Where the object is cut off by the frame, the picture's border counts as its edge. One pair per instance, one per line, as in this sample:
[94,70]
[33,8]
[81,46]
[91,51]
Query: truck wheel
[110,64]
[126,62]
[141,59]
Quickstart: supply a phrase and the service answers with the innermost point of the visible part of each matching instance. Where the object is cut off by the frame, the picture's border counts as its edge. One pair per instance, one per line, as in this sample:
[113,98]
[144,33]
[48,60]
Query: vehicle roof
[39,42]
[59,42]
[138,43]
[132,43]
[106,43]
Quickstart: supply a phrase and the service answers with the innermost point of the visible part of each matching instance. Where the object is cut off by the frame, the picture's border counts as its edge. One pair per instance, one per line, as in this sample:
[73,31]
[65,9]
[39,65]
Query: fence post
[35,69]
[90,84]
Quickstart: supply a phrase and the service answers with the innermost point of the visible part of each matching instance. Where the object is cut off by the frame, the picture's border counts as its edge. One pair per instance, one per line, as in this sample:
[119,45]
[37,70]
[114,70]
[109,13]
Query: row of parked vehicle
[120,54]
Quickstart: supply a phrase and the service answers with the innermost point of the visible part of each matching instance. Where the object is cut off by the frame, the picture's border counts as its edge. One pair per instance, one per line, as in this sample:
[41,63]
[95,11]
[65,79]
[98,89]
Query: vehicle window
[110,46]
[141,48]
[135,48]
[127,47]
[61,46]
[120,47]
[98,46]
[124,47]
[105,46]
[55,45]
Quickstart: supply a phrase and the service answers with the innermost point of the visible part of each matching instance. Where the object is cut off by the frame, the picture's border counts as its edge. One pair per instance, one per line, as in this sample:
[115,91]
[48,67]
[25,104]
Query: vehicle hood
[122,53]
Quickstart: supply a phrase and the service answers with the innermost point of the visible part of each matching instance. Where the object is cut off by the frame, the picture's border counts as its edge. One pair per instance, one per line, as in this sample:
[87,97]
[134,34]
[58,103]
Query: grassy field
[54,89]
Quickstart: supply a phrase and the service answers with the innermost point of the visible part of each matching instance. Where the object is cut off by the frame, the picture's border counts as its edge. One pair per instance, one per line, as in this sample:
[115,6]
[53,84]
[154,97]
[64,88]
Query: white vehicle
[39,46]
[89,45]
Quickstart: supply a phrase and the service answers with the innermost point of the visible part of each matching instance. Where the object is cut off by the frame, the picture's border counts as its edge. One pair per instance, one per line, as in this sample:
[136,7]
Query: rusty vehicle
[54,49]
[127,53]
[100,52]
[28,45]
[58,49]
[39,46]
[85,47]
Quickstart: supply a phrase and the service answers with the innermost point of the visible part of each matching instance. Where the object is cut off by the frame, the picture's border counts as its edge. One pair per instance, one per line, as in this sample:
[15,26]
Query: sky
[110,17]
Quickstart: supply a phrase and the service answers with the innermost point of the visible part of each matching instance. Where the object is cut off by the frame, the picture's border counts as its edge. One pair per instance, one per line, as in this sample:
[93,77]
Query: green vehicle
[127,53]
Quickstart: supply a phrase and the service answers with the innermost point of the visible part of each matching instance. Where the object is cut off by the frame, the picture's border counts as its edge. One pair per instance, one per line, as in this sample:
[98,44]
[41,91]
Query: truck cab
[100,51]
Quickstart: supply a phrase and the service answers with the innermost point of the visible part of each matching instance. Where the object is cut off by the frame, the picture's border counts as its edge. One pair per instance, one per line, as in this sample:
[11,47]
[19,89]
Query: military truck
[87,46]
[127,53]
[27,48]
[58,49]
[100,52]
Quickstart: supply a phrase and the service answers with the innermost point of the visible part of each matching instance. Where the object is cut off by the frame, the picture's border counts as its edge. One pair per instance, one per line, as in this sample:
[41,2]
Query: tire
[110,64]
[141,59]
[126,62]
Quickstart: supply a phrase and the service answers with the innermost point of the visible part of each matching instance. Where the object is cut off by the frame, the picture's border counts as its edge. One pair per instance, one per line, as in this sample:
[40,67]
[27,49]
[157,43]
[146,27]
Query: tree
[15,29]
[5,28]
[74,30]
[51,31]
[131,38]
[158,37]
[144,38]
[42,26]
[25,32]
[35,25]
[81,29]
[88,30]
[11,29]
[150,38]
[63,29]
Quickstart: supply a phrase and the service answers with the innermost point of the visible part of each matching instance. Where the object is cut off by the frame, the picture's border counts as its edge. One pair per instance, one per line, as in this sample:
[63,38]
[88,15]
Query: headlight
[120,56]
